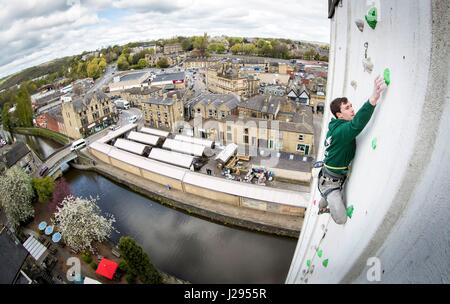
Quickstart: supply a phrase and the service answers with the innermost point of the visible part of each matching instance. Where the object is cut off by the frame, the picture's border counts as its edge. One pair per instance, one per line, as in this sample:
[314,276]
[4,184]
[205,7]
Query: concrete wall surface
[400,190]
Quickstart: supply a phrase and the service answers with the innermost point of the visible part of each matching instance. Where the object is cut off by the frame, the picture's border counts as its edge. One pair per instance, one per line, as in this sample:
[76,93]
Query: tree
[61,191]
[236,49]
[93,68]
[162,63]
[201,44]
[122,63]
[187,45]
[44,188]
[142,63]
[138,261]
[16,194]
[24,111]
[216,47]
[80,222]
[6,120]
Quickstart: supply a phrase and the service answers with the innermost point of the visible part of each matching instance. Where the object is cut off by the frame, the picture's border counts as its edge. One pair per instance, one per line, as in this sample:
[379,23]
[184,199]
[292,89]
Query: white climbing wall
[400,189]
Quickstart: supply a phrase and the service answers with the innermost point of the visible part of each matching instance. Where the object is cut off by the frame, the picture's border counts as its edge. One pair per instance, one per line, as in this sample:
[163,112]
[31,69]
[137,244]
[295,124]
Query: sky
[36,31]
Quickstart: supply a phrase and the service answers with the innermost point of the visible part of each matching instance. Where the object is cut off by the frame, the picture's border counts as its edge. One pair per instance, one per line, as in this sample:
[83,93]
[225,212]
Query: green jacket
[340,142]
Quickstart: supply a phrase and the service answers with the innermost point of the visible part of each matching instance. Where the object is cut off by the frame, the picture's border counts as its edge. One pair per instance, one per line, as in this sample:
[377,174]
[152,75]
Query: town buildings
[163,112]
[172,48]
[215,106]
[84,115]
[226,80]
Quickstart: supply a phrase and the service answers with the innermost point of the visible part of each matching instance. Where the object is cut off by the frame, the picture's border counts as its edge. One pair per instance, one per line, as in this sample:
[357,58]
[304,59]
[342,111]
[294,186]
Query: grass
[58,137]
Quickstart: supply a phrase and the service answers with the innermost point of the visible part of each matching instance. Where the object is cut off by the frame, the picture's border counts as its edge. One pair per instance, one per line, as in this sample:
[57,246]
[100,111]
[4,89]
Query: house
[224,80]
[137,95]
[12,258]
[172,48]
[299,93]
[261,106]
[17,154]
[163,112]
[212,106]
[294,137]
[87,114]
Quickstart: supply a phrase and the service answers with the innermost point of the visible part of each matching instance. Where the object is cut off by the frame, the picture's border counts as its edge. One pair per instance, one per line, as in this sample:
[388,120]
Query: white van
[78,144]
[132,119]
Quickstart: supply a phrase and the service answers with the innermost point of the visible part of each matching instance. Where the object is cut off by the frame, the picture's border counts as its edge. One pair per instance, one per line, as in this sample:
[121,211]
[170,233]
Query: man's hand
[379,86]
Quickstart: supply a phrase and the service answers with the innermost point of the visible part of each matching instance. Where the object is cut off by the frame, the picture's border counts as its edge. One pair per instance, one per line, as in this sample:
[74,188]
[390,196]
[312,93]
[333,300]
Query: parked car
[43,170]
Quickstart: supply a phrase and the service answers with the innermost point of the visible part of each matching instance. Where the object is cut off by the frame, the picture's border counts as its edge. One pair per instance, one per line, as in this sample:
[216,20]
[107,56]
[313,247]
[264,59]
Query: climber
[340,147]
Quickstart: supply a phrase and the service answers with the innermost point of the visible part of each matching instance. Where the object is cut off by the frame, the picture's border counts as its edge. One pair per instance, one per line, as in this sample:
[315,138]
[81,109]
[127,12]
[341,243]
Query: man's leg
[337,207]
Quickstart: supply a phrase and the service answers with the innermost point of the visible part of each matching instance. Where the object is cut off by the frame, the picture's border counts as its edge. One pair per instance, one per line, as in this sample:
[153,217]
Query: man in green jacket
[340,147]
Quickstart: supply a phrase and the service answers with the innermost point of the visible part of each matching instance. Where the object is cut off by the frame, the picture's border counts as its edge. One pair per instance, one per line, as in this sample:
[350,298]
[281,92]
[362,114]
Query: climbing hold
[368,65]
[308,263]
[314,202]
[371,17]
[350,211]
[374,143]
[325,263]
[353,84]
[360,24]
[387,76]
[319,253]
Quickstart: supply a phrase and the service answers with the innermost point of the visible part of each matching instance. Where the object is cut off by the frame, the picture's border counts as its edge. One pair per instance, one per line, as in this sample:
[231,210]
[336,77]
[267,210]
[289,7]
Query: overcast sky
[36,31]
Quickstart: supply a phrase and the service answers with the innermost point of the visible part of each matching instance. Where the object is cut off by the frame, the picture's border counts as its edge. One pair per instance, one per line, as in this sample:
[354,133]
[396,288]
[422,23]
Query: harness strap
[335,168]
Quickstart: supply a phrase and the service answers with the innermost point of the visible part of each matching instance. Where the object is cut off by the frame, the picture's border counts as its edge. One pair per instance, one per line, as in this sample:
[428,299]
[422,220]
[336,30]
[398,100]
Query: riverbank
[255,220]
[58,137]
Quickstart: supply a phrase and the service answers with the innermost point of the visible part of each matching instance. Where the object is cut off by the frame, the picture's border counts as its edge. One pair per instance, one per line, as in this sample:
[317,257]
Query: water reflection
[188,247]
[43,147]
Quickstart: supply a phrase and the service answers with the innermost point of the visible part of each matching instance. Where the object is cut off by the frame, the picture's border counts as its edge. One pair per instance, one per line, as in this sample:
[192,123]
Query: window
[229,137]
[245,139]
[270,144]
[245,130]
[253,141]
[300,137]
[210,113]
[228,128]
[198,110]
[304,149]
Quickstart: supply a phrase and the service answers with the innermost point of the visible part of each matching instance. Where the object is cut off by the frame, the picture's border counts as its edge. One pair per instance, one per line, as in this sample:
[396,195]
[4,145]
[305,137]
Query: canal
[43,147]
[184,246]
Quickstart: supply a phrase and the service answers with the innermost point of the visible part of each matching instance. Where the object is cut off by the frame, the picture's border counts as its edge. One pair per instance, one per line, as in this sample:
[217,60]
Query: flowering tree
[16,194]
[62,190]
[80,222]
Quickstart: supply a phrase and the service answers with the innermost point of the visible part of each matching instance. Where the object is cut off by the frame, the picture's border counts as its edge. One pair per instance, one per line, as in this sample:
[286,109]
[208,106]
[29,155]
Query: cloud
[38,31]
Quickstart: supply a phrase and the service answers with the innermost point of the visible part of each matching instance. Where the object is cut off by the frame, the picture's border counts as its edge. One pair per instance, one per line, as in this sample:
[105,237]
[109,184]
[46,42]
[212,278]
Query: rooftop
[132,76]
[169,77]
[12,257]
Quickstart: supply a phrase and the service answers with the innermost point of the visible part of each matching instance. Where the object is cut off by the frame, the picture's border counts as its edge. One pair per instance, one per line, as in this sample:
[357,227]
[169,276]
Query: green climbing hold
[387,76]
[350,211]
[325,263]
[374,143]
[308,263]
[319,253]
[371,17]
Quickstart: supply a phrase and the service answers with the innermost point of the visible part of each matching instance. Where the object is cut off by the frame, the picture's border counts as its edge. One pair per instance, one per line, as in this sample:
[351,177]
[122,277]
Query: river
[185,246]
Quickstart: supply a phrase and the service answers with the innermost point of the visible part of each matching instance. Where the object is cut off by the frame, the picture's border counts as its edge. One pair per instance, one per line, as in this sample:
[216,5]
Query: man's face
[347,111]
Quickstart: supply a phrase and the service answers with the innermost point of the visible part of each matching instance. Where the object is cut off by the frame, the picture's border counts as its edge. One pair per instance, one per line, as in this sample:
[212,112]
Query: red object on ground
[107,268]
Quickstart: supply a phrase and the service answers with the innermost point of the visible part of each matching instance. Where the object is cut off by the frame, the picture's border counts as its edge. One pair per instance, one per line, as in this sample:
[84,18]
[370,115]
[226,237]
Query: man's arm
[351,129]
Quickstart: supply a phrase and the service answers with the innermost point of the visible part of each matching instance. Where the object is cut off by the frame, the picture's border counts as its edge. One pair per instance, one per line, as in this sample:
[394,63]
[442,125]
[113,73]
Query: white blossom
[80,222]
[16,194]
